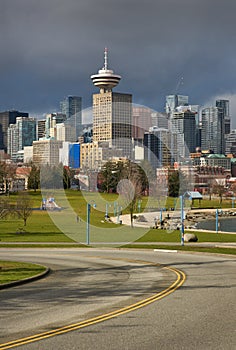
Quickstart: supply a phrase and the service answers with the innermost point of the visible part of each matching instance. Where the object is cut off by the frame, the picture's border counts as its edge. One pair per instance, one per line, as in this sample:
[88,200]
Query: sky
[50,48]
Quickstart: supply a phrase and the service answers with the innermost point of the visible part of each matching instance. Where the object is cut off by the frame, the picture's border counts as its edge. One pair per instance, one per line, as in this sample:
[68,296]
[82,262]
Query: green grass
[13,271]
[214,250]
[162,236]
[41,228]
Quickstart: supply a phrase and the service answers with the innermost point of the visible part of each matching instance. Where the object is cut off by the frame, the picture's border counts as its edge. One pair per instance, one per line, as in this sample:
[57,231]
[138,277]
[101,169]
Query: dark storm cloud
[49,49]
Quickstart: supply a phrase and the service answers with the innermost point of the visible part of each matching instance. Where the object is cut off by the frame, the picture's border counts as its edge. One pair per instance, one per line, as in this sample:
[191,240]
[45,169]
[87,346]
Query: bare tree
[130,187]
[6,208]
[219,188]
[7,174]
[23,207]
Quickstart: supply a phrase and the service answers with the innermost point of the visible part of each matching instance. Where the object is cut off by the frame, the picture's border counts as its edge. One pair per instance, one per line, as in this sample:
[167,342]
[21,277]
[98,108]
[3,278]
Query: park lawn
[154,235]
[13,271]
[39,228]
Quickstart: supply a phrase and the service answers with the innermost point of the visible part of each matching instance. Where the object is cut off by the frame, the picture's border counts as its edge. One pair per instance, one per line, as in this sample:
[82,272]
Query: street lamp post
[118,213]
[217,220]
[119,208]
[115,208]
[139,205]
[233,199]
[182,219]
[88,223]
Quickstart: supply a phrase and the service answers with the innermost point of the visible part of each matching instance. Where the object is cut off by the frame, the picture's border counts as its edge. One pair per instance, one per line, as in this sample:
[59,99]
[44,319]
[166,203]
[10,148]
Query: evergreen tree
[34,178]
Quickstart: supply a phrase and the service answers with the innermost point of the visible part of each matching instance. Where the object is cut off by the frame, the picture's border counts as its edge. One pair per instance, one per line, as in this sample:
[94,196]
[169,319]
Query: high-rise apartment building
[141,122]
[41,128]
[65,132]
[157,147]
[52,119]
[183,124]
[7,118]
[20,134]
[160,120]
[230,144]
[71,106]
[224,105]
[112,112]
[212,135]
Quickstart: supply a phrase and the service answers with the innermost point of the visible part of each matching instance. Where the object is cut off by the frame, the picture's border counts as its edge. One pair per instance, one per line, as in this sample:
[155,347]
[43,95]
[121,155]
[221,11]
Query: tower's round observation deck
[105,80]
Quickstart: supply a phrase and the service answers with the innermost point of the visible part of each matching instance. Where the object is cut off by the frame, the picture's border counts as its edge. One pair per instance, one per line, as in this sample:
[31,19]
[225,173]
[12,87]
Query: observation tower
[105,80]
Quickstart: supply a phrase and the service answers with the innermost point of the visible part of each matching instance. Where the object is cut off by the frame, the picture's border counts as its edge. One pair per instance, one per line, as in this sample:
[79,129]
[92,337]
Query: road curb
[26,280]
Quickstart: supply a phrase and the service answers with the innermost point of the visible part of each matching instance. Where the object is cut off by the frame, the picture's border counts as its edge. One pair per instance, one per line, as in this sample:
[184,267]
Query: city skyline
[50,49]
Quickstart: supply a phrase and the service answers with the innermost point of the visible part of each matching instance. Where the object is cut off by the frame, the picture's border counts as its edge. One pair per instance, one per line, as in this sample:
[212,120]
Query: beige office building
[94,155]
[46,152]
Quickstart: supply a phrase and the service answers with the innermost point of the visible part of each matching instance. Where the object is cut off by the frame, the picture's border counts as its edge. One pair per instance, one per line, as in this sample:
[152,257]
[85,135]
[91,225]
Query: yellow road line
[175,285]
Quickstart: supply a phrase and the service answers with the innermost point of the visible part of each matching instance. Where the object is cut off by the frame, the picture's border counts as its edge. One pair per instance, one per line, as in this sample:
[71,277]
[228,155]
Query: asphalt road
[95,282]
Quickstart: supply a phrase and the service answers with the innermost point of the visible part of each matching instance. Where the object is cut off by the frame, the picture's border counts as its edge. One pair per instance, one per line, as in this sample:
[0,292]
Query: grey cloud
[49,48]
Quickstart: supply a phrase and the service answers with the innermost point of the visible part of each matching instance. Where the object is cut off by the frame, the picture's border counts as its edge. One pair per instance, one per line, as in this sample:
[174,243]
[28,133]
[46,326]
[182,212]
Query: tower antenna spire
[105,79]
[105,58]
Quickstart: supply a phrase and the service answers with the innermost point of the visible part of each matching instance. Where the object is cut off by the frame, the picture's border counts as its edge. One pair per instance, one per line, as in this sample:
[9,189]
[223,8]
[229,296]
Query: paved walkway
[150,218]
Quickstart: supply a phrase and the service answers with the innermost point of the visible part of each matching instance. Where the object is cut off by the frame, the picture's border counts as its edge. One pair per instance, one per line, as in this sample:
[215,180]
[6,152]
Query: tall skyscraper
[7,118]
[212,136]
[71,106]
[184,126]
[142,121]
[112,112]
[52,119]
[173,101]
[157,150]
[230,146]
[224,104]
[41,128]
[20,134]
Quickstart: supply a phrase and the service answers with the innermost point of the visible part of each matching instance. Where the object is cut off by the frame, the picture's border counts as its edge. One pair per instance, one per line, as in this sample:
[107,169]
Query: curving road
[89,283]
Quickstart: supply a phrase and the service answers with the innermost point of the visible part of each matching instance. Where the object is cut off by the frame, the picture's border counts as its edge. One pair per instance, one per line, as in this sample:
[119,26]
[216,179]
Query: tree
[219,188]
[173,184]
[130,187]
[6,208]
[147,176]
[34,178]
[66,177]
[23,207]
[177,183]
[7,175]
[110,174]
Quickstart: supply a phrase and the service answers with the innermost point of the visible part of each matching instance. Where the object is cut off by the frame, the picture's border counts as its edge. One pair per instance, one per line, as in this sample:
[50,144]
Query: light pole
[88,222]
[115,208]
[182,219]
[217,220]
[139,205]
[119,208]
[233,199]
[118,213]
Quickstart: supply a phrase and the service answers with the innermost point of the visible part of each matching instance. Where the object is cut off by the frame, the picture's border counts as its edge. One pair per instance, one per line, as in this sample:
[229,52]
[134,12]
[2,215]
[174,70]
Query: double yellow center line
[72,327]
